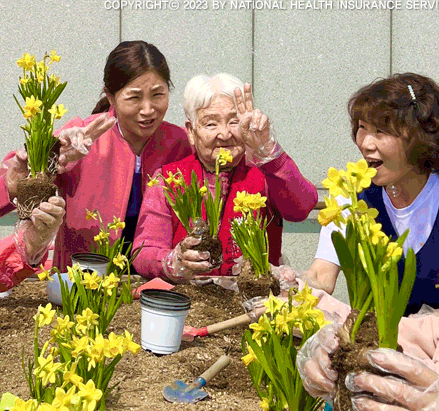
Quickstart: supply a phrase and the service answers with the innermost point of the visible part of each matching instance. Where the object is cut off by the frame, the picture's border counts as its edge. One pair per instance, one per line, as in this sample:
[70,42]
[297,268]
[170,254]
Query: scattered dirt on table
[143,376]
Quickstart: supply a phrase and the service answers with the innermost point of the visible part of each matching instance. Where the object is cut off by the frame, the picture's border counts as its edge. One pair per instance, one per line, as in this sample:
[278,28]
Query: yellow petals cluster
[32,107]
[244,202]
[116,225]
[44,274]
[57,111]
[45,315]
[224,157]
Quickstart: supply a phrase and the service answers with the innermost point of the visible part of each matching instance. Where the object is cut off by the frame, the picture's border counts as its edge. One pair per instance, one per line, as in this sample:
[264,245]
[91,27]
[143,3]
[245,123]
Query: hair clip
[412,93]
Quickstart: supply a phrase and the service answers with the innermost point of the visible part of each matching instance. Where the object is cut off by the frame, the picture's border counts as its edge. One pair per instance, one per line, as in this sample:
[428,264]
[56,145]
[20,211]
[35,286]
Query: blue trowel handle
[207,375]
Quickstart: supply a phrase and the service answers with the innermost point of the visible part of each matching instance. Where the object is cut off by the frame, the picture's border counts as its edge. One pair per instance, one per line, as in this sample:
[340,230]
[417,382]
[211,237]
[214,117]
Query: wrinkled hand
[76,141]
[17,170]
[314,364]
[181,266]
[254,125]
[416,390]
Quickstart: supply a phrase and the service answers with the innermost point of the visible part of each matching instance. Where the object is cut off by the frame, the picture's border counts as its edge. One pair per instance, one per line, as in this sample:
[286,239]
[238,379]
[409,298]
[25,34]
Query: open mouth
[146,123]
[374,163]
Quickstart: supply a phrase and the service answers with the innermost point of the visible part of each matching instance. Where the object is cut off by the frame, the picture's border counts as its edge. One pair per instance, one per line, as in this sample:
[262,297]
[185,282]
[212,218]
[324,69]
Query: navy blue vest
[427,258]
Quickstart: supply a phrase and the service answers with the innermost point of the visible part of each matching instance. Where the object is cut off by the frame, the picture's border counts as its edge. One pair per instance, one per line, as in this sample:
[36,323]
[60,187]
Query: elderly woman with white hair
[220,114]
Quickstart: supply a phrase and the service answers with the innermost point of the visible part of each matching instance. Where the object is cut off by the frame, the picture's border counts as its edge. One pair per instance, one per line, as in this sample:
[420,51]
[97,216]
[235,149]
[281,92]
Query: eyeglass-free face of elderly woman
[220,114]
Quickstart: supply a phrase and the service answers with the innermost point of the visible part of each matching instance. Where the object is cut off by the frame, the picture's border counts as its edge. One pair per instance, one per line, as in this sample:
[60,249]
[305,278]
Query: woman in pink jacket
[105,158]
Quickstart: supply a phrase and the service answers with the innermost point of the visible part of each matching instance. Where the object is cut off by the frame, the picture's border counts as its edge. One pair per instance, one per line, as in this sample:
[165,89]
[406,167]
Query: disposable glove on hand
[77,141]
[417,389]
[16,170]
[314,364]
[181,266]
[33,237]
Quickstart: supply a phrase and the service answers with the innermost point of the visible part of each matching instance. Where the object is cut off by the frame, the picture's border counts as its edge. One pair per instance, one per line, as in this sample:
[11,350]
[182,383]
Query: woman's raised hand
[254,125]
[76,141]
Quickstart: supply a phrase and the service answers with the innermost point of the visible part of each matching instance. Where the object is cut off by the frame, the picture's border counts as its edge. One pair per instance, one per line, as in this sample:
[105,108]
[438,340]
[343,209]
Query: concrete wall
[304,59]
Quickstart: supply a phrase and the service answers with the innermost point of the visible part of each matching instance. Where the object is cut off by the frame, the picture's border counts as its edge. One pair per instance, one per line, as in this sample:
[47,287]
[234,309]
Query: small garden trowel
[178,391]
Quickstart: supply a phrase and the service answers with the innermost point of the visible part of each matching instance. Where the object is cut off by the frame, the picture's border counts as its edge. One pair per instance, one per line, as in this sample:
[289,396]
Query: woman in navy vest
[395,125]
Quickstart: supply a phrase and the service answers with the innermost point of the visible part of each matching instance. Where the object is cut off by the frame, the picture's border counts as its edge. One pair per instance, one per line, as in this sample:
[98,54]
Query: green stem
[360,317]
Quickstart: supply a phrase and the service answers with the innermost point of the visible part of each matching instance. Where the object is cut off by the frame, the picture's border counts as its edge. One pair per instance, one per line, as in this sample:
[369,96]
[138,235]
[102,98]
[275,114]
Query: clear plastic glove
[17,169]
[76,141]
[33,237]
[181,266]
[416,390]
[314,364]
[257,133]
[286,276]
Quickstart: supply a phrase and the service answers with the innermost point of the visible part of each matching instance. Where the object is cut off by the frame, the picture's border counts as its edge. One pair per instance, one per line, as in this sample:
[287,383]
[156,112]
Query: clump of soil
[32,191]
[250,286]
[208,243]
[351,357]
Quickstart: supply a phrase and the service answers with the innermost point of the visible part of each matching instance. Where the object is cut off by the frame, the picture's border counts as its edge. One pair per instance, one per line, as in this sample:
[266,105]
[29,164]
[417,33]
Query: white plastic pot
[91,261]
[163,315]
[87,261]
[53,288]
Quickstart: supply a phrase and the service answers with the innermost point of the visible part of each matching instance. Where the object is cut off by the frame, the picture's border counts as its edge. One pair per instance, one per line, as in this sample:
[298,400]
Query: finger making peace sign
[254,125]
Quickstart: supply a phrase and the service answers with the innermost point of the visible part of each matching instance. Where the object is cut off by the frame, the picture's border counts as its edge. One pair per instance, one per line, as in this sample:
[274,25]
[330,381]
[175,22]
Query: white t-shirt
[419,217]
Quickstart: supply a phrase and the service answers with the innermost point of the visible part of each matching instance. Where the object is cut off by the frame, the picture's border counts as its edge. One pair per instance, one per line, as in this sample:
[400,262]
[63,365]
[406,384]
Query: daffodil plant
[187,200]
[271,348]
[73,369]
[39,91]
[103,295]
[249,231]
[368,257]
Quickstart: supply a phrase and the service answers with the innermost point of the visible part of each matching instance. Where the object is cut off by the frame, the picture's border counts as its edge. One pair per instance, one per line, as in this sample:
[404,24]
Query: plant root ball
[31,192]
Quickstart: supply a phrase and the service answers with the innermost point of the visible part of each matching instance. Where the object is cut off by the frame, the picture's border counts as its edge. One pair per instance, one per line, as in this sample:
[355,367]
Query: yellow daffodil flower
[32,106]
[45,274]
[63,325]
[91,215]
[49,407]
[45,315]
[110,282]
[250,357]
[101,237]
[91,280]
[171,177]
[305,296]
[26,62]
[120,260]
[336,183]
[362,208]
[47,369]
[90,395]
[153,182]
[21,405]
[64,400]
[260,328]
[24,80]
[224,157]
[394,251]
[70,375]
[116,224]
[273,304]
[332,213]
[255,201]
[264,404]
[54,79]
[130,344]
[71,271]
[360,174]
[57,111]
[203,190]
[240,202]
[54,57]
[282,321]
[77,345]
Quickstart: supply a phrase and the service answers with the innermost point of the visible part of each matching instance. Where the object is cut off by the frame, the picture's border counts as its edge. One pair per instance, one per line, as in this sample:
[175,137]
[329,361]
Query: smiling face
[384,152]
[141,106]
[216,126]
